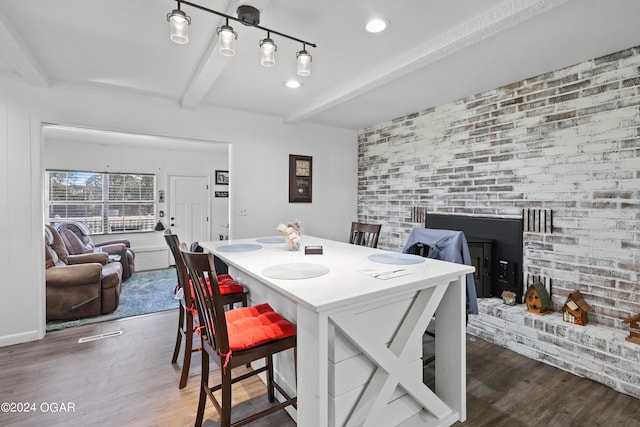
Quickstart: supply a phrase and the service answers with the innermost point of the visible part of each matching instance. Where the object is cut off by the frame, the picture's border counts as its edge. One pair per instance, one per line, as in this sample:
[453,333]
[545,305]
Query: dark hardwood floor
[128,380]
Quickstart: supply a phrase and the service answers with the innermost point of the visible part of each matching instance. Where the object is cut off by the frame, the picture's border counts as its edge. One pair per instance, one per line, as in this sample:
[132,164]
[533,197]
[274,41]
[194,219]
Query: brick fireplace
[566,142]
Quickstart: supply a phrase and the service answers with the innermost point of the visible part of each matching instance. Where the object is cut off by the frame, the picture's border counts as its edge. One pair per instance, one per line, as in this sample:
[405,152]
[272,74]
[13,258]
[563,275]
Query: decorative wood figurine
[634,329]
[537,298]
[575,309]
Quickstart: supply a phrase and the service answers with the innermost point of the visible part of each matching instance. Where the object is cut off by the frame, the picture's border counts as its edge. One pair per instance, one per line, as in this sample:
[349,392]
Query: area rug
[144,292]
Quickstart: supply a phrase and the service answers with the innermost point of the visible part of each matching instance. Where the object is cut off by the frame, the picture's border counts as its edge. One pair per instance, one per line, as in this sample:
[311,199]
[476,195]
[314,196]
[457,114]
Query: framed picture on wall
[222,177]
[300,178]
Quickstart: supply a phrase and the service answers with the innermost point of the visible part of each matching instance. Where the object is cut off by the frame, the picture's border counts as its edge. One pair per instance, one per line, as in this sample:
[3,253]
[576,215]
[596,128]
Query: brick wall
[566,141]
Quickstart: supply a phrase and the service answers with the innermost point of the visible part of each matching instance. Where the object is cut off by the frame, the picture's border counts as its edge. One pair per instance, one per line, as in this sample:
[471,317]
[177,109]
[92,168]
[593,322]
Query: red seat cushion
[226,284]
[251,326]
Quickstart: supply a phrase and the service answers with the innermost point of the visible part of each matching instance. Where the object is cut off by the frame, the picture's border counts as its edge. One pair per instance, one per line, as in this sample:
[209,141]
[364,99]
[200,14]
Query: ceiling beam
[15,50]
[212,63]
[493,21]
[209,69]
[211,66]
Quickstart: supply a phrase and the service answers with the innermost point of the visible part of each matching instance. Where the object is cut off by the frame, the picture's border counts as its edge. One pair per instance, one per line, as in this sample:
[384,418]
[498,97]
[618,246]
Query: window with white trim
[106,202]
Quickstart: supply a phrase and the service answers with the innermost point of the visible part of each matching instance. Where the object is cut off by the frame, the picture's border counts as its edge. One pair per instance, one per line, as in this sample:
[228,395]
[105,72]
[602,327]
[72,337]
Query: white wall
[21,235]
[259,149]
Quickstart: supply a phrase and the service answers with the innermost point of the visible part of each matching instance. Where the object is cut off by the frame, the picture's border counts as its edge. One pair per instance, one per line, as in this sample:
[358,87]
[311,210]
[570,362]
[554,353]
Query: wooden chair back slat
[365,234]
[181,269]
[202,273]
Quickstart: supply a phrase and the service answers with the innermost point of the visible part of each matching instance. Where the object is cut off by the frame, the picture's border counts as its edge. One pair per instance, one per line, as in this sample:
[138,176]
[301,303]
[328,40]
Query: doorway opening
[182,167]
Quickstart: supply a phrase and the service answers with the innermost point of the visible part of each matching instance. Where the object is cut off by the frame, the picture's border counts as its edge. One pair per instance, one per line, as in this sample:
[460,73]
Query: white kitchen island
[360,315]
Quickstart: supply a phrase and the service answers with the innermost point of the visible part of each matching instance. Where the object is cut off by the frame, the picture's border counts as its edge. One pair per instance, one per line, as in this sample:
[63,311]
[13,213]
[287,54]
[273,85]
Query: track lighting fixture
[304,62]
[179,25]
[248,16]
[227,40]
[268,52]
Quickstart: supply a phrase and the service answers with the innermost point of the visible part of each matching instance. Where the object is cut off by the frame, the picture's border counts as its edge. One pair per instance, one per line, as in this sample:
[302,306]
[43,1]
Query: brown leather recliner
[79,285]
[77,238]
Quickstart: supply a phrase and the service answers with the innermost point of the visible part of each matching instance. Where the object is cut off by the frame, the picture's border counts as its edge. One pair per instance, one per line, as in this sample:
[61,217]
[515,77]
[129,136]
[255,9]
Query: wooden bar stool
[231,293]
[234,338]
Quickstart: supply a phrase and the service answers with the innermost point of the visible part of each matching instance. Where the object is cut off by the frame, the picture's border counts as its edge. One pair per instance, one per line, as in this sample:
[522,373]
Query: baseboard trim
[20,338]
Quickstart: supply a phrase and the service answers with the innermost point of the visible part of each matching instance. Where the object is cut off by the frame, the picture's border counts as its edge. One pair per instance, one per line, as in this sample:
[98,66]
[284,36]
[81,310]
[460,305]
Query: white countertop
[350,275]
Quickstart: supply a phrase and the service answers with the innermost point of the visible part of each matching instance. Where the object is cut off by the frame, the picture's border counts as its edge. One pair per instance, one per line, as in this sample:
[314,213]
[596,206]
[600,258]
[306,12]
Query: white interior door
[189,208]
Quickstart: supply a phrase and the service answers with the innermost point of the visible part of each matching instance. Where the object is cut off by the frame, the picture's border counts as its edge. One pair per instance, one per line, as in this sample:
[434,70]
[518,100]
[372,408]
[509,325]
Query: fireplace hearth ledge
[597,352]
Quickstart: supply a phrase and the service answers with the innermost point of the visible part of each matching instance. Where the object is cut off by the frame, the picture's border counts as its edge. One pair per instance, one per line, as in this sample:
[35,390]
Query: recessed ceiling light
[376,25]
[293,84]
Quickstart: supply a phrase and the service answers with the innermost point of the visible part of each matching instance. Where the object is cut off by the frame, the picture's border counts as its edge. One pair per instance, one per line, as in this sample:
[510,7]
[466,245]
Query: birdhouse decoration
[537,298]
[634,328]
[575,309]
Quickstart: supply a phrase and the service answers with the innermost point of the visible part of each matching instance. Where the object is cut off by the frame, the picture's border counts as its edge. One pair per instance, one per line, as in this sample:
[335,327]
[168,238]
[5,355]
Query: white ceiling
[432,52]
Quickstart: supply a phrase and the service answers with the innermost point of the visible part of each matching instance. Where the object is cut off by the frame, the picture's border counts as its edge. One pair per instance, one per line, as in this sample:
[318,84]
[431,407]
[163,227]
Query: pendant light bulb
[304,63]
[268,52]
[179,26]
[227,40]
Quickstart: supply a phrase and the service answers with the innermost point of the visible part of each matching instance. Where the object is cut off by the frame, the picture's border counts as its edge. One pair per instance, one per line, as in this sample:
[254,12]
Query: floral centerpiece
[291,233]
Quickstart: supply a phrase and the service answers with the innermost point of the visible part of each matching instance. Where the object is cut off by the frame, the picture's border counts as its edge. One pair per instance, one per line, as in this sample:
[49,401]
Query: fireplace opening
[495,246]
[482,253]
